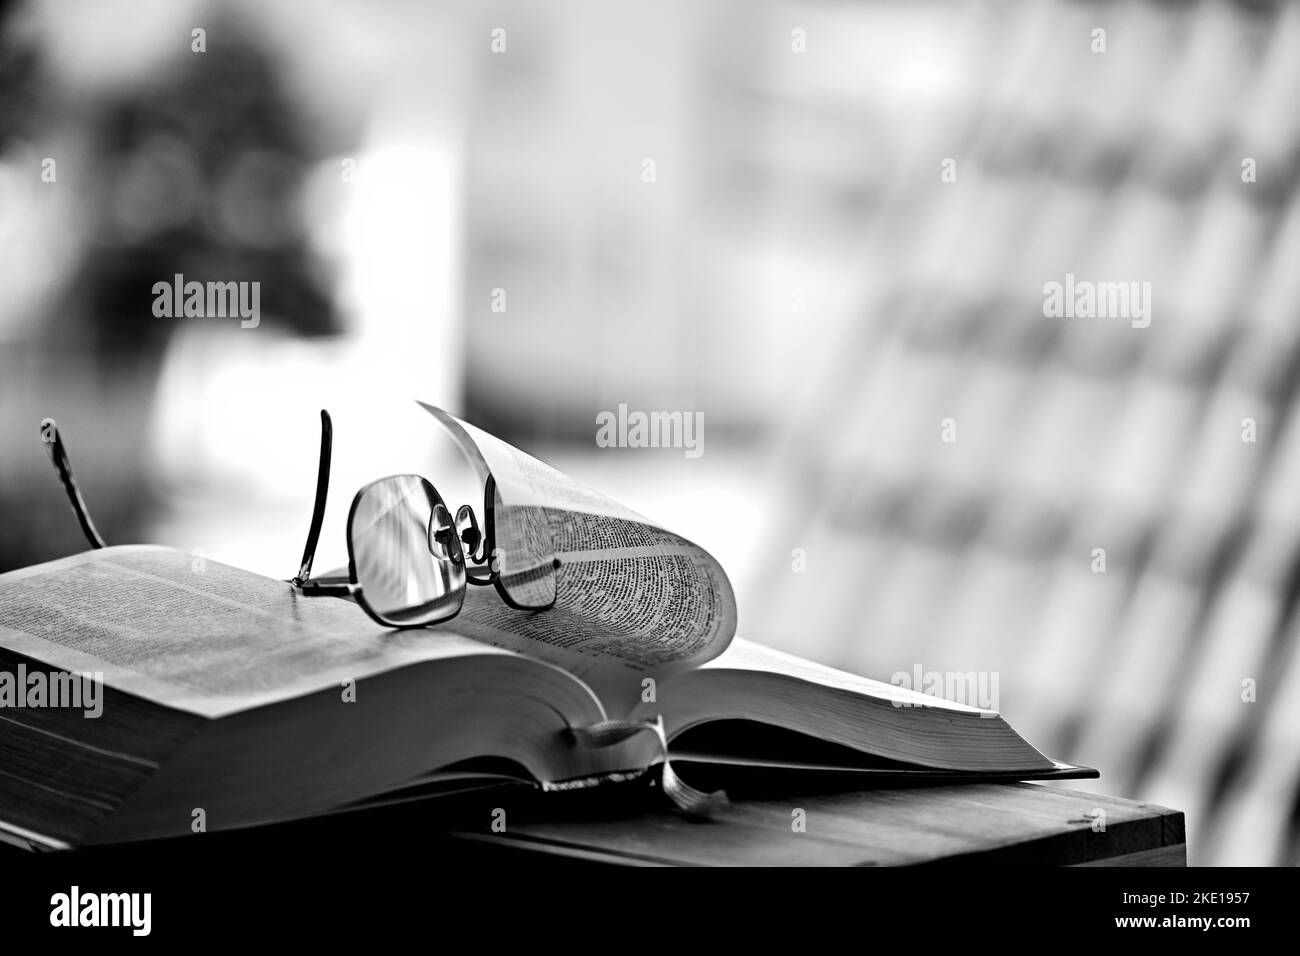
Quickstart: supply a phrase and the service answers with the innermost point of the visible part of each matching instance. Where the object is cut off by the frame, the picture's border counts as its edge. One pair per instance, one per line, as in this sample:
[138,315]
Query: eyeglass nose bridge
[470,534]
[441,535]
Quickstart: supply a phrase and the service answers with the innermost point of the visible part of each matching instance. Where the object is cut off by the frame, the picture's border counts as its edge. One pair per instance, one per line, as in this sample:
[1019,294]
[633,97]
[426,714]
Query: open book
[143,691]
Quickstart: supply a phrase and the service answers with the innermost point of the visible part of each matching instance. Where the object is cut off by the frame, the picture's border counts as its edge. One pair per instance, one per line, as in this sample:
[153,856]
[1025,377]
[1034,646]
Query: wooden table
[972,824]
[957,825]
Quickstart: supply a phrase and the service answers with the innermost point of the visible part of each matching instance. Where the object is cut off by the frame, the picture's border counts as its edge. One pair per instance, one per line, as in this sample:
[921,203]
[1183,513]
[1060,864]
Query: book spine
[607,733]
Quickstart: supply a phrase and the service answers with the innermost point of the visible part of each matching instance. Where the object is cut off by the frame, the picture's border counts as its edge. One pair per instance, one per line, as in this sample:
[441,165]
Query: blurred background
[826,226]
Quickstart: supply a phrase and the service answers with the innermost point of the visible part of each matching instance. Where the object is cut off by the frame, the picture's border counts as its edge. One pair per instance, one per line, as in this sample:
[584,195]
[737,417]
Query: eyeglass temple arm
[322,494]
[53,442]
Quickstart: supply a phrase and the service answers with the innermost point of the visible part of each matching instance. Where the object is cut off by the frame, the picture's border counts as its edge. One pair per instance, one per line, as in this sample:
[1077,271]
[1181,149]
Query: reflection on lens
[403,580]
[524,554]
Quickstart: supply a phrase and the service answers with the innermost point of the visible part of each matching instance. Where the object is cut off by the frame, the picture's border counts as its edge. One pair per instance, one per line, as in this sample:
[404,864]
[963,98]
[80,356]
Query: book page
[743,655]
[632,598]
[750,689]
[198,635]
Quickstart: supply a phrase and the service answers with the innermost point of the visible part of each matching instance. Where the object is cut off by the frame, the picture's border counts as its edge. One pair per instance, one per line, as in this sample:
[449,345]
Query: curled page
[632,598]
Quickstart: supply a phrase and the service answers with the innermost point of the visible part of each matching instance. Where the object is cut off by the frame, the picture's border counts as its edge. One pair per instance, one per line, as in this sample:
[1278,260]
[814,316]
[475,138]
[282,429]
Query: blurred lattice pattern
[1079,434]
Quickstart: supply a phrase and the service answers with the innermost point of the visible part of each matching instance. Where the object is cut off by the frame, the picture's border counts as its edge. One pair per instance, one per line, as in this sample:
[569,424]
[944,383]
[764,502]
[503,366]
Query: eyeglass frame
[475,549]
[480,545]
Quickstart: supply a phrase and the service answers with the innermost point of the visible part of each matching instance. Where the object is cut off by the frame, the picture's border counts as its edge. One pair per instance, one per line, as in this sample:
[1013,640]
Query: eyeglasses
[409,561]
